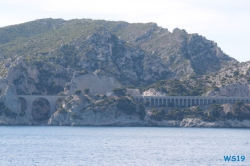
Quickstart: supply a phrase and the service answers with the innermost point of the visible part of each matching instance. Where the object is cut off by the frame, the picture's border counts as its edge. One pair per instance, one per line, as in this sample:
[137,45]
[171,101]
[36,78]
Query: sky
[226,22]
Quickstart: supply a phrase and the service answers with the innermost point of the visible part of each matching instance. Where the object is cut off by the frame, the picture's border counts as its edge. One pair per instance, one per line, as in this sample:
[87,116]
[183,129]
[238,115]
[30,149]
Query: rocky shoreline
[187,122]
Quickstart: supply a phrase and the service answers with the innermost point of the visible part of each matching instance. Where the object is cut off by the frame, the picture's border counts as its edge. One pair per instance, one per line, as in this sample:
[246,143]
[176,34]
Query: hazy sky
[227,22]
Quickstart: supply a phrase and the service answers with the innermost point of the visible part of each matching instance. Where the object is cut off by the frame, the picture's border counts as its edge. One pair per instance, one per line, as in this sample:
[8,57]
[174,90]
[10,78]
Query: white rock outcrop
[133,92]
[13,106]
[79,111]
[152,92]
[236,90]
[195,122]
[96,84]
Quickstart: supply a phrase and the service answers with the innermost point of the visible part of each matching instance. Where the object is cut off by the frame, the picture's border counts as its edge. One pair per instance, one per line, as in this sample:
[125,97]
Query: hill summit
[132,53]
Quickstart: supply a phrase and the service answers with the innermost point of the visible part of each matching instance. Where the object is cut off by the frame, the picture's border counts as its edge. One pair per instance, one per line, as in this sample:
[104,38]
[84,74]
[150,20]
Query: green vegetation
[176,87]
[215,113]
[147,102]
[74,115]
[119,91]
[67,56]
[241,111]
[75,44]
[62,110]
[106,102]
[1,109]
[236,73]
[178,114]
[7,111]
[248,80]
[51,46]
[142,112]
[127,105]
[86,90]
[158,114]
[78,92]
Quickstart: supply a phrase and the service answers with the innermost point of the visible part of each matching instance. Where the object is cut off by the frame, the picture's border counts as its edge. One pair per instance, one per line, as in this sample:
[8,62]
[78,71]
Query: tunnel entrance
[41,110]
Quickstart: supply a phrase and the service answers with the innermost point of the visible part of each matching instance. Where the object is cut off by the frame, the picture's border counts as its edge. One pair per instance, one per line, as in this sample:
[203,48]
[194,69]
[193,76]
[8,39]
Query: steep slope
[37,77]
[230,81]
[134,54]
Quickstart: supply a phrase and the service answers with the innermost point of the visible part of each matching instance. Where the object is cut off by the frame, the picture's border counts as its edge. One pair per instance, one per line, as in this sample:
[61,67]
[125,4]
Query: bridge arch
[52,100]
[41,109]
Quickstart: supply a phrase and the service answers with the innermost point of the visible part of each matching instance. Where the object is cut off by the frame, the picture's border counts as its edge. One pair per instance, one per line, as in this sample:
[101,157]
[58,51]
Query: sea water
[118,146]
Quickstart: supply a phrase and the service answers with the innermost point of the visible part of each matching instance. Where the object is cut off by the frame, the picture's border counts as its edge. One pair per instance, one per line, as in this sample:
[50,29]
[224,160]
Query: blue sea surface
[118,146]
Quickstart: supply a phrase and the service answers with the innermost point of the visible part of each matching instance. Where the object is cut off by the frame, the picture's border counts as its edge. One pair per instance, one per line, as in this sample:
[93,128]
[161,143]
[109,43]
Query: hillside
[229,81]
[86,60]
[134,54]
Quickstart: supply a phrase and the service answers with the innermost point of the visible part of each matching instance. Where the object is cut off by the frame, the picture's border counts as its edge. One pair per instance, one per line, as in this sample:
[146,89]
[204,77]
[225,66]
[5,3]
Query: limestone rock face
[133,92]
[17,75]
[152,92]
[195,122]
[236,90]
[164,123]
[96,84]
[3,85]
[10,111]
[40,78]
[133,54]
[11,100]
[80,111]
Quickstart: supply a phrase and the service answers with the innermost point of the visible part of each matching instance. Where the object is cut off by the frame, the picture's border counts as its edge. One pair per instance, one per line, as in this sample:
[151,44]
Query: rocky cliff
[86,59]
[134,54]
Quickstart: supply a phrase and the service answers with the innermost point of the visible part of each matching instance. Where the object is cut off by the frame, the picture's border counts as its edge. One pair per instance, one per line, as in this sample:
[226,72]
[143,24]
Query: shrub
[215,113]
[1,108]
[67,87]
[106,102]
[147,103]
[126,105]
[78,92]
[119,91]
[157,114]
[236,73]
[248,80]
[237,111]
[141,112]
[217,110]
[7,111]
[62,110]
[86,90]
[175,114]
[74,115]
[104,97]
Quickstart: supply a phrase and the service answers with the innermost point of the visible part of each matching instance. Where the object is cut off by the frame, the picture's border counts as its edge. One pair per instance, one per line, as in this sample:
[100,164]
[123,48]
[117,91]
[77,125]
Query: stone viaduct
[157,101]
[187,101]
[50,98]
